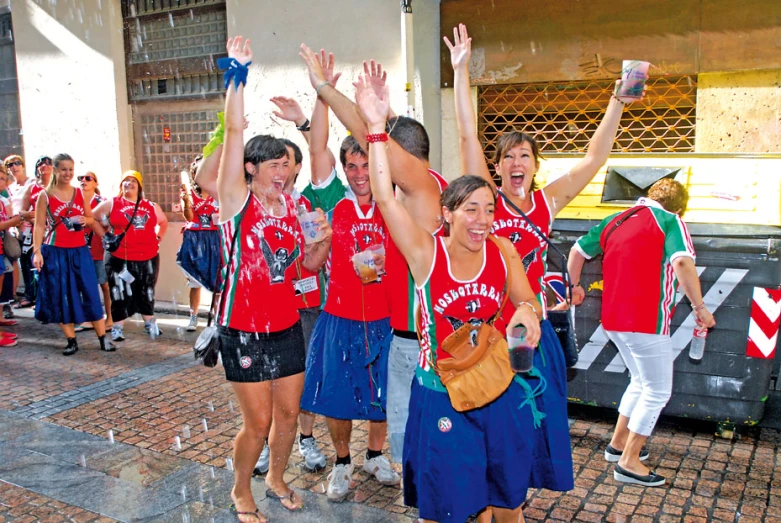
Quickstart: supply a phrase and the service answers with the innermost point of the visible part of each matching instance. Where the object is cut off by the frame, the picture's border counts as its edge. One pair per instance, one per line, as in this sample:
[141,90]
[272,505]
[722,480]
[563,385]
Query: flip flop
[270,494]
[23,304]
[238,513]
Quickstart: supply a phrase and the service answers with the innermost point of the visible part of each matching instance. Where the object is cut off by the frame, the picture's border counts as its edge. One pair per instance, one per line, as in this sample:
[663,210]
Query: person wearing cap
[68,293]
[89,187]
[132,269]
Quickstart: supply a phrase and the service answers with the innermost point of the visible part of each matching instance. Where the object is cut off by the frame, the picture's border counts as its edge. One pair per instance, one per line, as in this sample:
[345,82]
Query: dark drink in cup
[521,353]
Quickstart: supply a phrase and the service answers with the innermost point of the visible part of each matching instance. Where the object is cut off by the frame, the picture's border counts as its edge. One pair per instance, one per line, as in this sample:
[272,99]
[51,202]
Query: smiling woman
[68,286]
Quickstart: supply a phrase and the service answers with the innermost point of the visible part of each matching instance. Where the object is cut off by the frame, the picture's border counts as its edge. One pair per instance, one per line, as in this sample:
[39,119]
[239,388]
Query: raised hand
[316,70]
[376,76]
[242,53]
[289,109]
[328,68]
[372,108]
[461,50]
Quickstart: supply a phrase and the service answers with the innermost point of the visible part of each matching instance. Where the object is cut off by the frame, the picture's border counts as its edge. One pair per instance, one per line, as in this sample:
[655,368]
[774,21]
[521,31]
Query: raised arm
[415,243]
[231,185]
[472,156]
[321,158]
[206,173]
[560,192]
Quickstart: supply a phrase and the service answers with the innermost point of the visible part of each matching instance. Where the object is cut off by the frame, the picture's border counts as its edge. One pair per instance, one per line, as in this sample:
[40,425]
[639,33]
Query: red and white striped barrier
[765,320]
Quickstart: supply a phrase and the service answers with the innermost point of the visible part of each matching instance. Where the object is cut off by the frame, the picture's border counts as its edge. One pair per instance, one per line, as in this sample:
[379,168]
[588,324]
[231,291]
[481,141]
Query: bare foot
[245,509]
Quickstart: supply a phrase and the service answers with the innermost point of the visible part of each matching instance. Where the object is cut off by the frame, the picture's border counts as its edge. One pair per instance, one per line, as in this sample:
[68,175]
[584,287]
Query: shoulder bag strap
[620,219]
[54,220]
[135,210]
[507,284]
[564,272]
[217,283]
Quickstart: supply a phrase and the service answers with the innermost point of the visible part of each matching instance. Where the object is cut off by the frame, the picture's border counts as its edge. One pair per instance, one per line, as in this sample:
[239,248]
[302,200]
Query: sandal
[270,494]
[8,323]
[238,513]
[24,304]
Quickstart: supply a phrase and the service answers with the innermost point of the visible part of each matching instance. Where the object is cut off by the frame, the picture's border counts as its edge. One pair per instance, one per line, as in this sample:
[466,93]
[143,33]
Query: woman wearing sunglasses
[68,292]
[17,172]
[89,187]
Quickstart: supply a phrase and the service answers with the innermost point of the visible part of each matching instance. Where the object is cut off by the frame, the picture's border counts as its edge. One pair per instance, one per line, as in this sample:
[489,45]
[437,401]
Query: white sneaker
[261,467]
[313,458]
[117,333]
[339,482]
[193,323]
[380,468]
[151,328]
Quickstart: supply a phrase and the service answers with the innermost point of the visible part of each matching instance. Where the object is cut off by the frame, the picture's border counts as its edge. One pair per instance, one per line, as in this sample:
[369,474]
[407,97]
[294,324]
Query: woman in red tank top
[68,288]
[89,187]
[259,328]
[432,484]
[132,269]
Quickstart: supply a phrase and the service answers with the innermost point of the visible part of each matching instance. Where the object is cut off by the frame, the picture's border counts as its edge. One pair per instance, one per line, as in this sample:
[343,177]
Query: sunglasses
[86,179]
[45,162]
[15,162]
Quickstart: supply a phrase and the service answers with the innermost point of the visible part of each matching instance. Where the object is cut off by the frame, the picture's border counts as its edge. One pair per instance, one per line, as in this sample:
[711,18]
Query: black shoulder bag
[560,320]
[207,346]
[112,241]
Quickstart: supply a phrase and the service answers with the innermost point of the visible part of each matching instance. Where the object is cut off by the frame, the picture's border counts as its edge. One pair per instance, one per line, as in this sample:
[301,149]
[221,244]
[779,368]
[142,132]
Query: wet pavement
[145,434]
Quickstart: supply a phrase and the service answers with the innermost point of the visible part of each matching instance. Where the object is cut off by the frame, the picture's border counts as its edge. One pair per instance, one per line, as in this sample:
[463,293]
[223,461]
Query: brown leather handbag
[479,370]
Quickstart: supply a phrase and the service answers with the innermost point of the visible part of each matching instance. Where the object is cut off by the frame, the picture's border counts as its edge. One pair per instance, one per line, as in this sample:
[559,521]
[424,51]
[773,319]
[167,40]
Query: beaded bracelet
[614,97]
[377,137]
[233,71]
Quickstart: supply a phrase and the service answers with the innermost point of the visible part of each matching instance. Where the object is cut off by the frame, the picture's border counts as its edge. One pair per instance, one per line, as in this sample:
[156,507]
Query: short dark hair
[298,157]
[410,135]
[350,146]
[459,190]
[672,195]
[512,139]
[262,148]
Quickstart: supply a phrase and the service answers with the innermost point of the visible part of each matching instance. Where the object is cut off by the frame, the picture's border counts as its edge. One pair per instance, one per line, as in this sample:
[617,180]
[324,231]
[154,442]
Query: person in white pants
[646,251]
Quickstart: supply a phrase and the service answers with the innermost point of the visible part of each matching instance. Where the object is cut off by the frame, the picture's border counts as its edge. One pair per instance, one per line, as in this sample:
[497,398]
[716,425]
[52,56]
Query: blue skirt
[67,287]
[199,256]
[552,465]
[345,379]
[458,463]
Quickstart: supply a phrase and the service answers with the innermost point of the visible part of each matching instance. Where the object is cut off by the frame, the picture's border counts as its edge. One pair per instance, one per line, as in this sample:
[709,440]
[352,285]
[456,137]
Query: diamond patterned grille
[564,115]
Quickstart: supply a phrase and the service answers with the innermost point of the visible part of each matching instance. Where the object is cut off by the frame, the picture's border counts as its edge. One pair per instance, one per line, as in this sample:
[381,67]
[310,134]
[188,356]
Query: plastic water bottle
[697,348]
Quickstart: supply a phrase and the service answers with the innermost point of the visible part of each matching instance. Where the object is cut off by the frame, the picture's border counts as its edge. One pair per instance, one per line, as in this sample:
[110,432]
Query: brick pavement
[20,505]
[711,479]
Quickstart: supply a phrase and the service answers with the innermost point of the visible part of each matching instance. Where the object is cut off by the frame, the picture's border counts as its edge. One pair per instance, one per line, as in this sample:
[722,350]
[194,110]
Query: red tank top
[530,246]
[355,229]
[140,241]
[34,193]
[306,284]
[60,228]
[258,288]
[203,209]
[447,303]
[94,241]
[400,286]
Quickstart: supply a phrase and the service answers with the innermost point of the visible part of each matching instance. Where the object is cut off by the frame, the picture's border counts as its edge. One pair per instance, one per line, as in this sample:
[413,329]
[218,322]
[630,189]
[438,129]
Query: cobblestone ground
[149,395]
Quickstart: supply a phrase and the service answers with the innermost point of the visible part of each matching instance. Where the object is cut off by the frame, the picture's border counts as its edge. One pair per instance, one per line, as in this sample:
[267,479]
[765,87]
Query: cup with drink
[366,265]
[521,353]
[633,77]
[312,233]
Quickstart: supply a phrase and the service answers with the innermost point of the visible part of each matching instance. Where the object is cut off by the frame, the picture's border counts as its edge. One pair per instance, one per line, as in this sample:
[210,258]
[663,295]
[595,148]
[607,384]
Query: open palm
[461,49]
[373,108]
[242,53]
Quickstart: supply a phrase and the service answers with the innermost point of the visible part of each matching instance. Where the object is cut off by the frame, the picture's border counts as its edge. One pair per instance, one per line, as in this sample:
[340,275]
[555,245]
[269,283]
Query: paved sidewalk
[172,423]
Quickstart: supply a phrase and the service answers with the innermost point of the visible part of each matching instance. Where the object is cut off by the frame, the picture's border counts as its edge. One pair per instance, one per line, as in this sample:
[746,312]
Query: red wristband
[377,137]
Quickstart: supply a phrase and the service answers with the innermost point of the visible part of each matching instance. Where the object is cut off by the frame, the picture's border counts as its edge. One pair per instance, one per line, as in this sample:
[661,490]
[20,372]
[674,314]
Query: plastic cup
[521,353]
[364,263]
[311,233]
[633,77]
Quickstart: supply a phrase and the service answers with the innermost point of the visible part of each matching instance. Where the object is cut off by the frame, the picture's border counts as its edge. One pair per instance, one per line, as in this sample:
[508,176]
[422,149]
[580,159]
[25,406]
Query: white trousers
[649,358]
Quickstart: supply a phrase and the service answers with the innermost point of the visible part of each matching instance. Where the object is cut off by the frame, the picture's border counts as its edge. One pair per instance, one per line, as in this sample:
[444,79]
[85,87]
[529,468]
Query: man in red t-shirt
[646,251]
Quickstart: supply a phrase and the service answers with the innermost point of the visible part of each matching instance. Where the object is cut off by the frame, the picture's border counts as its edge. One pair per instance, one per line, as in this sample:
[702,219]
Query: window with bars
[563,116]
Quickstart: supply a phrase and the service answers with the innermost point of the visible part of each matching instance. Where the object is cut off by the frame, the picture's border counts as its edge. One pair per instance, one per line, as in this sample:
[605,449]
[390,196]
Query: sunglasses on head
[15,162]
[45,161]
[86,178]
